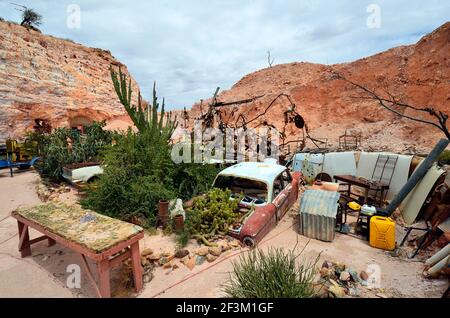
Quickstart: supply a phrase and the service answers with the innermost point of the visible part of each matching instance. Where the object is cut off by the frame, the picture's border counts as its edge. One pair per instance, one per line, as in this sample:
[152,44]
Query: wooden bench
[106,241]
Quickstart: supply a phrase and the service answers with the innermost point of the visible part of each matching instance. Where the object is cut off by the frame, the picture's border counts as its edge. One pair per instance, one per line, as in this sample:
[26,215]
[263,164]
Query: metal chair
[383,173]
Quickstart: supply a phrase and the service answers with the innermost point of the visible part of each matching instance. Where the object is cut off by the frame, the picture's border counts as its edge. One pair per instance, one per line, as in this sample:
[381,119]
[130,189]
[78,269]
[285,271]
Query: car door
[290,191]
[281,200]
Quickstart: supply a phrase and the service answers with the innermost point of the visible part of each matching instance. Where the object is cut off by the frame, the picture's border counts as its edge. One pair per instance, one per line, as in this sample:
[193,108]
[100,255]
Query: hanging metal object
[299,121]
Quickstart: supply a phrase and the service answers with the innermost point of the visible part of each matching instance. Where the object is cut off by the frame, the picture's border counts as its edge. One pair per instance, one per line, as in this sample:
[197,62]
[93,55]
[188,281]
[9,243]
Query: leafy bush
[138,172]
[275,274]
[193,179]
[136,176]
[444,158]
[31,18]
[65,146]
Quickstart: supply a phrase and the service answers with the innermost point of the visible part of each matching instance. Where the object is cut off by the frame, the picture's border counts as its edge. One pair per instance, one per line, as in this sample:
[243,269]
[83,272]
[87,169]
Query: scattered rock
[326,272]
[215,250]
[336,291]
[354,292]
[167,265]
[202,251]
[211,258]
[224,246]
[166,253]
[344,276]
[381,295]
[354,275]
[200,260]
[175,266]
[364,276]
[153,257]
[339,267]
[235,243]
[147,251]
[164,260]
[190,263]
[148,277]
[144,261]
[327,264]
[184,259]
[181,253]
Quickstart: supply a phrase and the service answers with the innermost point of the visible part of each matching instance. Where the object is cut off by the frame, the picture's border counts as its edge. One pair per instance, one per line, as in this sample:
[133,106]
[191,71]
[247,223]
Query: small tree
[270,60]
[30,18]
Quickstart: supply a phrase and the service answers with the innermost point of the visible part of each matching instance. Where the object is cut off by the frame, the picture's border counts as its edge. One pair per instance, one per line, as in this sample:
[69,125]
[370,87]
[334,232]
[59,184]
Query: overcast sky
[189,47]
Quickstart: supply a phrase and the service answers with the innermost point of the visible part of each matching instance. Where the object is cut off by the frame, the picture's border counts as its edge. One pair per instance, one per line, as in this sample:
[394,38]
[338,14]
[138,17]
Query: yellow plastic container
[354,206]
[382,233]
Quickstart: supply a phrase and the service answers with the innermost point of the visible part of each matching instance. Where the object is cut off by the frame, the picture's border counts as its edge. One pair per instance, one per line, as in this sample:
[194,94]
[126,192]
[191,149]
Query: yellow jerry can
[382,233]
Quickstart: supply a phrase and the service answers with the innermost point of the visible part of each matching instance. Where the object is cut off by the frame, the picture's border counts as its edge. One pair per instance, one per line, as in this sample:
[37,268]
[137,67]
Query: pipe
[418,175]
[436,269]
[438,256]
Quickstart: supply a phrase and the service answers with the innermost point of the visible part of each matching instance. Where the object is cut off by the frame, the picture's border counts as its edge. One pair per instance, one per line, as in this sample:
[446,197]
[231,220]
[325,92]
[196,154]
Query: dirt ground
[44,274]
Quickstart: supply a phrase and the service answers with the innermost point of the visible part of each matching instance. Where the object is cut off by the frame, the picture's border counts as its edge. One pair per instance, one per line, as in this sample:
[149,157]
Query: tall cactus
[145,120]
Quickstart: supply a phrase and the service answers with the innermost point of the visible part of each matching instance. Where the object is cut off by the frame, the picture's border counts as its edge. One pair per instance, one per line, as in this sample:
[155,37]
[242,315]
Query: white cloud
[191,47]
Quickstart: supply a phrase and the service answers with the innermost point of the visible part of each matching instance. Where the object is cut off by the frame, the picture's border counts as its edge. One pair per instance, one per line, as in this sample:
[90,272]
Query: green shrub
[193,179]
[65,146]
[444,158]
[138,172]
[136,176]
[275,274]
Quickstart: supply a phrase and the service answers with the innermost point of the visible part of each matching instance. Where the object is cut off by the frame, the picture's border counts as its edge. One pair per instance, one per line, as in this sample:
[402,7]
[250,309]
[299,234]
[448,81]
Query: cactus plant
[144,118]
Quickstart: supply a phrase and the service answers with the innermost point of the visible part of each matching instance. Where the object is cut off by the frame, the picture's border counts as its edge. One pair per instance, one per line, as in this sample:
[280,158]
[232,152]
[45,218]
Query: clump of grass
[444,158]
[274,274]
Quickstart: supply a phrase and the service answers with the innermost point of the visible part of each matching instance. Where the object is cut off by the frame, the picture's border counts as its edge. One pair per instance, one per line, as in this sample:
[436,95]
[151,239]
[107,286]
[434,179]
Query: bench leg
[24,240]
[137,268]
[50,242]
[104,278]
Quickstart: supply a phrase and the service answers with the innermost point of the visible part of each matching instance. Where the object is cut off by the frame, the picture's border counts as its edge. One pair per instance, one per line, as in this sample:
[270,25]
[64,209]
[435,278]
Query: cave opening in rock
[78,123]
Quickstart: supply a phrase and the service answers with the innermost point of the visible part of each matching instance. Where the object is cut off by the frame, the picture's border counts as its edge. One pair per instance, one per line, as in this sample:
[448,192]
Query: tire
[324,177]
[248,241]
[93,179]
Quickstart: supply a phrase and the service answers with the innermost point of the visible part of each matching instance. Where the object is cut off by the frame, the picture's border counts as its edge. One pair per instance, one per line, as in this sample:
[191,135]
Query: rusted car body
[269,192]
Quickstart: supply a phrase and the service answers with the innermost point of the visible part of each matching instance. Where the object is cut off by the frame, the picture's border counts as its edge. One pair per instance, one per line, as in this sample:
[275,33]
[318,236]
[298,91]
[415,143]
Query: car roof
[260,171]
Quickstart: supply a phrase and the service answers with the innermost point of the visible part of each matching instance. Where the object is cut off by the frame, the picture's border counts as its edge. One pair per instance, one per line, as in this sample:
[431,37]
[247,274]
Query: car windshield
[253,191]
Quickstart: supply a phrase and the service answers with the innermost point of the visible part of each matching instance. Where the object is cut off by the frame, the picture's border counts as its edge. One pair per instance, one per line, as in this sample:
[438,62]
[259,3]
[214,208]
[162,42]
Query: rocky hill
[43,77]
[418,74]
[68,84]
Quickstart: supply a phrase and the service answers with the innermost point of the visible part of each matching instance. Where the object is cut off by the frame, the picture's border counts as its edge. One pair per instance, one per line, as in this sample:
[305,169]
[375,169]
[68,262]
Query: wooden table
[106,241]
[367,185]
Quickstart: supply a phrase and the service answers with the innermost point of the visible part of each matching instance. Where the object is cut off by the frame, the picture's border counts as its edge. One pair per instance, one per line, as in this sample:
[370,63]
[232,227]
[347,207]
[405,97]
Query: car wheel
[93,179]
[248,241]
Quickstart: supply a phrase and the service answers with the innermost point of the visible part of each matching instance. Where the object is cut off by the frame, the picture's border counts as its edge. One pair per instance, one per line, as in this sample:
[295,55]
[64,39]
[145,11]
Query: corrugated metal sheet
[318,210]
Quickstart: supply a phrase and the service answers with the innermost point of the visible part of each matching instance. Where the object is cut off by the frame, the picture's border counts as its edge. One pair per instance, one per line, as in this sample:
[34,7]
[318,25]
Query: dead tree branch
[391,102]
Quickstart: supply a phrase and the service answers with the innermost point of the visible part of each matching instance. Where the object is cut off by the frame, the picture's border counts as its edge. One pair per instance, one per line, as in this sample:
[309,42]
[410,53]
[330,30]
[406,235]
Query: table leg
[137,268]
[104,278]
[366,195]
[50,242]
[24,240]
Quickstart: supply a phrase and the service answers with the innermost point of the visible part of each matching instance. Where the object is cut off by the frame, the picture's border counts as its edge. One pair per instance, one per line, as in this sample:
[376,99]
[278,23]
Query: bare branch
[392,101]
